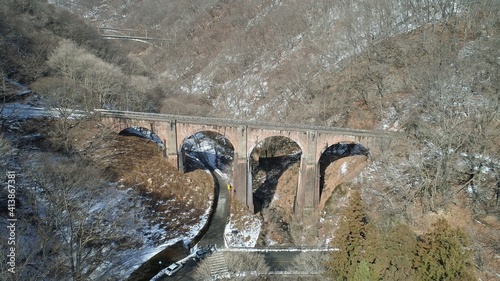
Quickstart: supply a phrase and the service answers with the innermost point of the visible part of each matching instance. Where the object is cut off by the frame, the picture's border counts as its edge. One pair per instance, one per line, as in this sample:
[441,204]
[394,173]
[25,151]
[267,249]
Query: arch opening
[207,150]
[269,159]
[142,133]
[334,153]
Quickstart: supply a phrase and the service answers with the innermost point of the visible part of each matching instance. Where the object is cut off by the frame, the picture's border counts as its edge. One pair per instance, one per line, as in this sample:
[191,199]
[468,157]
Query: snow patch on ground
[343,168]
[245,236]
[131,259]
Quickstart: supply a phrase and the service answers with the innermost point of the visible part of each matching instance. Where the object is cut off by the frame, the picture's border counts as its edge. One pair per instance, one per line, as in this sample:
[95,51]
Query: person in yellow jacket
[229,190]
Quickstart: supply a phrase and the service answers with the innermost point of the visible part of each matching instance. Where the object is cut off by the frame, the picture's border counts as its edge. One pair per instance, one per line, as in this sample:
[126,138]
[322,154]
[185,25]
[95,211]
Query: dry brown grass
[240,215]
[139,163]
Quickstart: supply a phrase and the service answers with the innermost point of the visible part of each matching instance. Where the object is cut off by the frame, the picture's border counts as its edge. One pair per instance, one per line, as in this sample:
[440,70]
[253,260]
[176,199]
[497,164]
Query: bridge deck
[251,124]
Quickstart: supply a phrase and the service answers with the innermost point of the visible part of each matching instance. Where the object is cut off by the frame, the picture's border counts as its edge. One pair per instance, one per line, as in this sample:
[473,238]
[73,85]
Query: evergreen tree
[363,272]
[443,254]
[396,260]
[356,240]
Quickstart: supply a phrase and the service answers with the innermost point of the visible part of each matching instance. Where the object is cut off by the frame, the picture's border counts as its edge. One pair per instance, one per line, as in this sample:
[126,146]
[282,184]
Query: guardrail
[236,122]
[280,249]
[244,274]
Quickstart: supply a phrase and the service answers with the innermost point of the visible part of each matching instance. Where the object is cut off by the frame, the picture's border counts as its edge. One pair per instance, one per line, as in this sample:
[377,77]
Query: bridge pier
[174,156]
[250,187]
[308,186]
[242,175]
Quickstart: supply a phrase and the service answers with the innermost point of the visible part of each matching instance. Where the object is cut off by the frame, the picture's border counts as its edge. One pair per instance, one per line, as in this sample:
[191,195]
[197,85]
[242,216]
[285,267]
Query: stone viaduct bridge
[173,130]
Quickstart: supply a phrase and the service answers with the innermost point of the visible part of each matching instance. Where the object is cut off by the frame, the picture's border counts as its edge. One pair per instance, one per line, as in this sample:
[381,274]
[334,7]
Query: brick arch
[253,145]
[326,160]
[185,130]
[327,140]
[181,143]
[269,190]
[182,153]
[117,125]
[258,135]
[325,148]
[144,131]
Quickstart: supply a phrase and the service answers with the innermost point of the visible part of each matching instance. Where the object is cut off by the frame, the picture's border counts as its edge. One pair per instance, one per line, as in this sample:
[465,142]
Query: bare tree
[312,263]
[62,97]
[252,263]
[203,271]
[77,221]
[6,149]
[103,81]
[455,119]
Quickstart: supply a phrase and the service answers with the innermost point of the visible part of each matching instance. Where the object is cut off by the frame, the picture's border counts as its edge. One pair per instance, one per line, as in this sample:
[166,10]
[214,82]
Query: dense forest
[426,69]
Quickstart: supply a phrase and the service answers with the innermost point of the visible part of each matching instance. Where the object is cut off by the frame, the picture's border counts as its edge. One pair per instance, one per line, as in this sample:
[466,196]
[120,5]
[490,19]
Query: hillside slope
[114,201]
[355,63]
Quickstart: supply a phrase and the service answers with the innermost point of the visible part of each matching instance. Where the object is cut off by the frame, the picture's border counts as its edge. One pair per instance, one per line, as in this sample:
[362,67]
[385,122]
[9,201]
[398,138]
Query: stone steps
[218,265]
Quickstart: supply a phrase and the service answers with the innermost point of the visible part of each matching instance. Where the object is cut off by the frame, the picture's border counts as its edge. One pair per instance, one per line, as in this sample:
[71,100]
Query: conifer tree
[356,242]
[443,254]
[363,272]
[396,259]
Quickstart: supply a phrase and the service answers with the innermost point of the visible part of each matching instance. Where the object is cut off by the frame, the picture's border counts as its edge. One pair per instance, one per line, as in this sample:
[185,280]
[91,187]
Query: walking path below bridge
[279,260]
